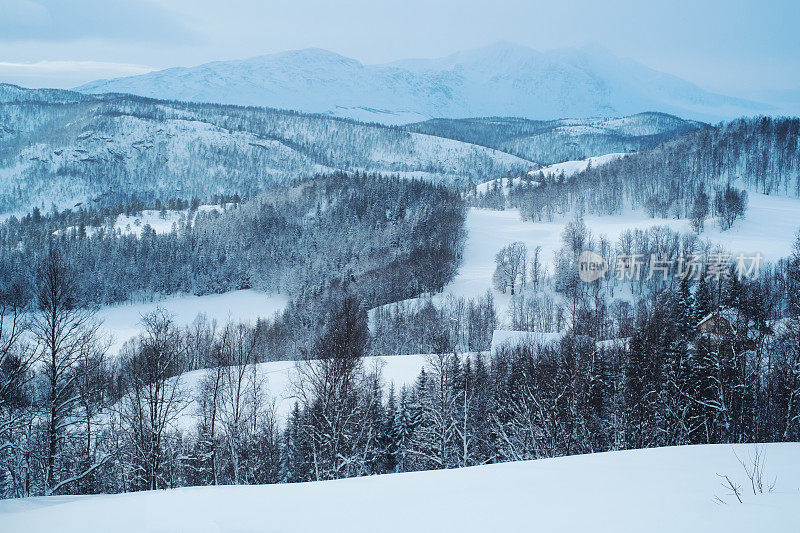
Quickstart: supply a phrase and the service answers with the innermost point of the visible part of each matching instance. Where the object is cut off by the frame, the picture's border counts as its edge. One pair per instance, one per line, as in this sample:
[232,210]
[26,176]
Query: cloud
[65,73]
[60,21]
[54,66]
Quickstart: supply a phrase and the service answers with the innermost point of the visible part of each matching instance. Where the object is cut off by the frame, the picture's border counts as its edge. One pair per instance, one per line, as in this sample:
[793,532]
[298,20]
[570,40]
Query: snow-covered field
[128,224]
[567,169]
[570,168]
[122,322]
[770,227]
[280,378]
[657,490]
[161,223]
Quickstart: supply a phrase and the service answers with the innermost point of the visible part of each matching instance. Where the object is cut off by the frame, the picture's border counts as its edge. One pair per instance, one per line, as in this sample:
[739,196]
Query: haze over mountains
[498,80]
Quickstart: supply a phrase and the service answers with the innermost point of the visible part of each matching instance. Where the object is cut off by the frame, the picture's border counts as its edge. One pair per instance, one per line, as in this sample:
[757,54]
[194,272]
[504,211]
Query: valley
[456,283]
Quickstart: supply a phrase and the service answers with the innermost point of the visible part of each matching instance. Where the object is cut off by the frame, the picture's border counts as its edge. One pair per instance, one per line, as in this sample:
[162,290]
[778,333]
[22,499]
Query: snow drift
[656,490]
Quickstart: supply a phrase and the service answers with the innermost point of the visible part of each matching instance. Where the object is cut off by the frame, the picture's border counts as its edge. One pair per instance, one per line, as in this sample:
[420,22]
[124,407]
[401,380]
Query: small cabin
[731,321]
[710,323]
[718,321]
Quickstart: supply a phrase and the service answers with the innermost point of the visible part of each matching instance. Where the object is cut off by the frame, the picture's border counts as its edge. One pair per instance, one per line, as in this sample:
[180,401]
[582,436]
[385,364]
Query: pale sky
[736,47]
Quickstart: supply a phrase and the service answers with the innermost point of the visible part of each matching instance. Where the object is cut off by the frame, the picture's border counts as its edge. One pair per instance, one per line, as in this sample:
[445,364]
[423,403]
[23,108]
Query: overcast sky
[735,47]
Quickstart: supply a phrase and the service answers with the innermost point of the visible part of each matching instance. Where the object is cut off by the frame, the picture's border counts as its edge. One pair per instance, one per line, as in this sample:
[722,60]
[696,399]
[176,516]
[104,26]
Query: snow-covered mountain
[63,148]
[498,80]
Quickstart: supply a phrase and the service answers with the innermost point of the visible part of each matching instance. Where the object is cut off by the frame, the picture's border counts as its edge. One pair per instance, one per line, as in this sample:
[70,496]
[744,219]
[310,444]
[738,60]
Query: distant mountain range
[498,80]
[63,147]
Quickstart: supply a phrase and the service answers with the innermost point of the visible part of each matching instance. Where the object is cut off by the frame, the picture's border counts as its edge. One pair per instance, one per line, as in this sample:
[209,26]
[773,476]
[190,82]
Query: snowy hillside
[570,168]
[121,322]
[280,379]
[498,80]
[111,148]
[553,141]
[567,169]
[160,222]
[657,490]
[769,228]
[14,93]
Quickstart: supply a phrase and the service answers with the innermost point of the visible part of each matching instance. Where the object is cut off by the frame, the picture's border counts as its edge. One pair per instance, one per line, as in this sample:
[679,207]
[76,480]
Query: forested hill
[66,148]
[759,155]
[15,94]
[554,141]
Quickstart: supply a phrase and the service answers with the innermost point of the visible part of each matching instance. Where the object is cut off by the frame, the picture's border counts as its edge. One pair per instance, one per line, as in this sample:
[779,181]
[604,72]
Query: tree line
[699,172]
[76,421]
[384,239]
[66,148]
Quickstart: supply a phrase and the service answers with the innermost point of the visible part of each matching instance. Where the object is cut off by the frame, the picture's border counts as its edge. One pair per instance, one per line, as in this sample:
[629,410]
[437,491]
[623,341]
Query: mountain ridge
[63,148]
[554,141]
[502,79]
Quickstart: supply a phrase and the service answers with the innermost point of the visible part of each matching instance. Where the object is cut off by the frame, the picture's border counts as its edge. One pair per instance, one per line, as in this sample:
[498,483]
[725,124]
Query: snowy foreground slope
[657,490]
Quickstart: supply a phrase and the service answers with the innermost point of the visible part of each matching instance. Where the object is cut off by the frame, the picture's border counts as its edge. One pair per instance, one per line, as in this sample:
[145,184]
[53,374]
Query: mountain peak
[500,79]
[307,54]
[504,47]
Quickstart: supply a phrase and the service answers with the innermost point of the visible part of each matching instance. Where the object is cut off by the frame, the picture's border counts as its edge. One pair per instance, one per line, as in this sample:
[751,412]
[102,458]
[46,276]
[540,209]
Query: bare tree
[700,209]
[16,416]
[331,390]
[736,490]
[154,398]
[510,270]
[240,391]
[537,270]
[435,442]
[64,332]
[754,469]
[200,341]
[208,400]
[90,386]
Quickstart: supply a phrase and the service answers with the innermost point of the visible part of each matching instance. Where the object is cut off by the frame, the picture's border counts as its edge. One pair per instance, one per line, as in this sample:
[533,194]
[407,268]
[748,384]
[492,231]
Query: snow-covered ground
[160,222]
[122,322]
[567,169]
[570,168]
[657,490]
[280,379]
[509,339]
[769,228]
